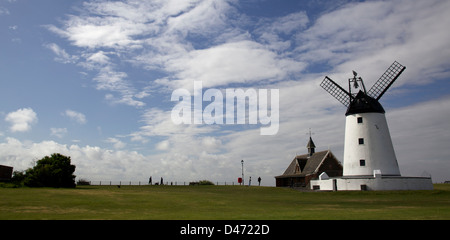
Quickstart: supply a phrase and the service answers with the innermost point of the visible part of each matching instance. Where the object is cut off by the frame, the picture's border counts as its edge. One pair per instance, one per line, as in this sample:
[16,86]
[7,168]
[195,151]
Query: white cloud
[159,123]
[61,54]
[158,35]
[96,60]
[21,120]
[420,146]
[3,11]
[117,24]
[153,34]
[116,143]
[237,62]
[58,132]
[93,32]
[205,18]
[371,35]
[290,23]
[93,163]
[76,116]
[270,31]
[109,79]
[163,145]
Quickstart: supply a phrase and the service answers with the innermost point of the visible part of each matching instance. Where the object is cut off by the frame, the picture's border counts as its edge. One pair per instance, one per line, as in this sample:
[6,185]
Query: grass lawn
[220,202]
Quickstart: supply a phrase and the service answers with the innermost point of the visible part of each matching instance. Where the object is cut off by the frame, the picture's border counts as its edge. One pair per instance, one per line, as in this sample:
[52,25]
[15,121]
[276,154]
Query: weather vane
[310,133]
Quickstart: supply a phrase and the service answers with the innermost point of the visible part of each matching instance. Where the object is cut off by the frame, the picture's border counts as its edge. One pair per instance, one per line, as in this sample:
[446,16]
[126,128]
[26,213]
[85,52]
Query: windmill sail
[386,80]
[336,91]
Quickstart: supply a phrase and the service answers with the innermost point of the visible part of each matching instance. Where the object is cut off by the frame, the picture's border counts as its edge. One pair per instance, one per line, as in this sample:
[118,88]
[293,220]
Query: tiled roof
[303,165]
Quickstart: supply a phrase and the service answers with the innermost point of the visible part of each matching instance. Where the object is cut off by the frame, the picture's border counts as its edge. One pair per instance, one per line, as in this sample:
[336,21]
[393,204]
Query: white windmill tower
[369,156]
[368,148]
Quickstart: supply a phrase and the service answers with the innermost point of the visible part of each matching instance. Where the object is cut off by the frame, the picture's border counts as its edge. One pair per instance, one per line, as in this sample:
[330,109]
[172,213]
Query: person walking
[259,181]
[250,181]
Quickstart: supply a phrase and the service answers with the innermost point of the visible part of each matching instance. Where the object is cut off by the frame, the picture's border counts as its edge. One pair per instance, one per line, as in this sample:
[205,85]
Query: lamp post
[242,162]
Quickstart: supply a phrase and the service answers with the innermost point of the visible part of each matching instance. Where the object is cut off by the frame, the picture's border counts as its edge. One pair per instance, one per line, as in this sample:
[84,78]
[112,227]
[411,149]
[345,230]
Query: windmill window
[361,141]
[362,162]
[360,120]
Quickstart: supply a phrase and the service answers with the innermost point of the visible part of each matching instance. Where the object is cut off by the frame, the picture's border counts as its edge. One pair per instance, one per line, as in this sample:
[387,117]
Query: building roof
[303,165]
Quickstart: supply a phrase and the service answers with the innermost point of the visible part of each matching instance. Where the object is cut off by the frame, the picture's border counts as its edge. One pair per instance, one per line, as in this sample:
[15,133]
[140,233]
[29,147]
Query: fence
[142,183]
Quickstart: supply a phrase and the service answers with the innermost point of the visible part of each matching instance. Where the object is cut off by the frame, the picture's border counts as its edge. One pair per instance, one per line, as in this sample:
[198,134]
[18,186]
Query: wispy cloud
[111,80]
[3,11]
[76,116]
[159,35]
[61,54]
[58,132]
[116,143]
[200,41]
[368,36]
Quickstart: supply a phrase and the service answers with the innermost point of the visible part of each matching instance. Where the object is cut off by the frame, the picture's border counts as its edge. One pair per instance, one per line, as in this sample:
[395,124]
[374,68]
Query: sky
[93,80]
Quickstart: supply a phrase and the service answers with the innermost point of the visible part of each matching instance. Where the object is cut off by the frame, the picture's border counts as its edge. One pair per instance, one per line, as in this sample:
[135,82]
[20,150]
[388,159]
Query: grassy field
[219,202]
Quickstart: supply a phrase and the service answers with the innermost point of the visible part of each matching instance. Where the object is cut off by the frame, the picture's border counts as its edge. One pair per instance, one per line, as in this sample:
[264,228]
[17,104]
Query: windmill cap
[362,103]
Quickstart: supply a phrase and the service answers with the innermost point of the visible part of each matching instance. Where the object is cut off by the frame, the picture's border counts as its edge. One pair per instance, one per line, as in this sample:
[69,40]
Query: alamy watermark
[248,106]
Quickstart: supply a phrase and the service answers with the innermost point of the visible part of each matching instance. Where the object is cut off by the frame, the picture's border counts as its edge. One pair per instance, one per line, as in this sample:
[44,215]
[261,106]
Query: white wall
[381,183]
[377,150]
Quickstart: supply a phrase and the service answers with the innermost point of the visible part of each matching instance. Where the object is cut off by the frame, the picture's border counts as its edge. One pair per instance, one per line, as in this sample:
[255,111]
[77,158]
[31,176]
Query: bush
[202,182]
[53,171]
[83,182]
[205,182]
[18,178]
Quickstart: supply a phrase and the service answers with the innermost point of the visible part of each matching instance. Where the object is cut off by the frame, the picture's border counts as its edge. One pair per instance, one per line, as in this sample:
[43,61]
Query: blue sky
[93,80]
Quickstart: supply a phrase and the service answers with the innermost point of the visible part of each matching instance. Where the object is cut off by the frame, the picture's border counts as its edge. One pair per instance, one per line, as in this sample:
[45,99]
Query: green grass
[220,202]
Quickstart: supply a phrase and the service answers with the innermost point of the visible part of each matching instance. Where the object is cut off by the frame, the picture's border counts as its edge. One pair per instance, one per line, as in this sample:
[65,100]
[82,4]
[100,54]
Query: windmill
[368,148]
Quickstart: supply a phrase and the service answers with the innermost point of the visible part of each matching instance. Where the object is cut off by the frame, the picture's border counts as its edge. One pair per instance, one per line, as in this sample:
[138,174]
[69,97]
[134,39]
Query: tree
[53,171]
[18,178]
